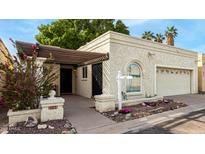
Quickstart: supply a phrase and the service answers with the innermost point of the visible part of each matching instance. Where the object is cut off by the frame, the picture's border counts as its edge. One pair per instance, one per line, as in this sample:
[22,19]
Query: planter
[52,108]
[20,116]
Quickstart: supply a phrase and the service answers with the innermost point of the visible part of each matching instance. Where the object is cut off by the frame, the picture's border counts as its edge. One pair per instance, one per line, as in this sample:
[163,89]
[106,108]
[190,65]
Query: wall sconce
[150,54]
[75,71]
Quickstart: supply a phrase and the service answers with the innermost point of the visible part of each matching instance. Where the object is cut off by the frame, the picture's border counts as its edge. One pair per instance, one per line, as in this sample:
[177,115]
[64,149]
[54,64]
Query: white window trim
[137,92]
[84,79]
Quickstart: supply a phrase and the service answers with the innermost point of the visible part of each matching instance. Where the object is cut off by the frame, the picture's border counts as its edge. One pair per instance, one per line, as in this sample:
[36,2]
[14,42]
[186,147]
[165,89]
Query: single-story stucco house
[157,69]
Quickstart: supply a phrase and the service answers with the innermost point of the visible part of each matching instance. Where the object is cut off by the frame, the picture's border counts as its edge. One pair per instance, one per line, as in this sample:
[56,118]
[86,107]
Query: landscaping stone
[48,127]
[51,127]
[144,109]
[116,113]
[5,132]
[73,131]
[42,126]
[66,132]
[67,125]
[31,122]
[128,116]
[13,124]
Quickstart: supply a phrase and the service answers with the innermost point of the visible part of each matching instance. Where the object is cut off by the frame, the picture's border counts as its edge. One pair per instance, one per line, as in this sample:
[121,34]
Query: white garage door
[173,81]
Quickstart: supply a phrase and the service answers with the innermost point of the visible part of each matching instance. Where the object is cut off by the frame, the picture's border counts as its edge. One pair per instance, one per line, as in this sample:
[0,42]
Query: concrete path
[78,110]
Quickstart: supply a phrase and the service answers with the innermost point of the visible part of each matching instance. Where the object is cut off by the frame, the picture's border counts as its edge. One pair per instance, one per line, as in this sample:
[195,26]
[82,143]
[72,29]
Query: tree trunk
[170,39]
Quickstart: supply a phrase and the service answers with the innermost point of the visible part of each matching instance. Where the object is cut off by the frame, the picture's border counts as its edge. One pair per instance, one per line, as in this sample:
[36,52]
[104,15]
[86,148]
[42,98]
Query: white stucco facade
[123,50]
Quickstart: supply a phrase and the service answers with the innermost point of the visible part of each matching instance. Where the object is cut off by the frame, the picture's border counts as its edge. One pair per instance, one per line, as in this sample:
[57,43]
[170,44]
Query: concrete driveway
[80,112]
[190,119]
[193,122]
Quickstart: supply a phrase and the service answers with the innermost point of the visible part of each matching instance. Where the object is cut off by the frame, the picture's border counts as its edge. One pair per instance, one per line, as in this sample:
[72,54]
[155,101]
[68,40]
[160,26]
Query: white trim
[150,42]
[173,67]
[114,37]
[141,74]
[84,79]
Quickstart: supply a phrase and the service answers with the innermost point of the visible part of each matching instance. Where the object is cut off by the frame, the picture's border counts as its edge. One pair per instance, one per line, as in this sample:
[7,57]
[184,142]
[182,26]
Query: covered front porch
[79,72]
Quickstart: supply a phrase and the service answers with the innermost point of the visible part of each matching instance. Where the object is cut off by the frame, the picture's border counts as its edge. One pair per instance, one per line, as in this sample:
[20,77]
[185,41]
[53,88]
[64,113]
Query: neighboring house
[4,52]
[201,72]
[157,69]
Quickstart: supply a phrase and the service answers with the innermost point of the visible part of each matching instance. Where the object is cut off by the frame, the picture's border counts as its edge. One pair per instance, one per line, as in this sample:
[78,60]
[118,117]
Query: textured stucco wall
[84,87]
[201,72]
[124,49]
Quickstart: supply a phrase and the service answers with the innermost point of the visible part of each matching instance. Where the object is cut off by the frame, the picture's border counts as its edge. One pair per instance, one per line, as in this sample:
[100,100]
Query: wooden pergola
[61,55]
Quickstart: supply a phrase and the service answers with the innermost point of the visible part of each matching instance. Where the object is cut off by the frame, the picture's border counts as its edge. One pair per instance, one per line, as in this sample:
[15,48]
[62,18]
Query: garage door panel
[173,82]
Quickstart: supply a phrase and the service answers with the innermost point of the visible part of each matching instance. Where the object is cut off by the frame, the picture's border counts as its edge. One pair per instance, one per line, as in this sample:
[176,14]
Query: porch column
[106,78]
[39,62]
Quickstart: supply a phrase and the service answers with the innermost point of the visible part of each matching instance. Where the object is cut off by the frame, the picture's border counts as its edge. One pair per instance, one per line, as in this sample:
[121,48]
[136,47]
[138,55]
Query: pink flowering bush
[22,83]
[2,103]
[125,110]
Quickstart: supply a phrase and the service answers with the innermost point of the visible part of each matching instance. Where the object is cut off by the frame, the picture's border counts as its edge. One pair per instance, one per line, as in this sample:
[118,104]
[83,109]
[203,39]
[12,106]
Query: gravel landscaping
[33,127]
[143,110]
[49,127]
[3,118]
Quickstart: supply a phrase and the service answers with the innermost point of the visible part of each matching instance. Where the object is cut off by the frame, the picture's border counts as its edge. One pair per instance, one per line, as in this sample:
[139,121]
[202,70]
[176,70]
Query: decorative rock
[166,101]
[31,122]
[13,125]
[50,127]
[42,126]
[127,116]
[52,93]
[73,131]
[67,125]
[116,113]
[65,132]
[5,132]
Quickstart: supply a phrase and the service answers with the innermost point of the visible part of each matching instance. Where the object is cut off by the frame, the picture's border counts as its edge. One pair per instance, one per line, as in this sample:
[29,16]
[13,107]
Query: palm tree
[171,33]
[148,35]
[159,38]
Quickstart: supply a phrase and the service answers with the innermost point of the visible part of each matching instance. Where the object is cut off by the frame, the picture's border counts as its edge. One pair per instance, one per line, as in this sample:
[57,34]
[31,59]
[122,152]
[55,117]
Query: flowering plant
[24,81]
[125,110]
[2,103]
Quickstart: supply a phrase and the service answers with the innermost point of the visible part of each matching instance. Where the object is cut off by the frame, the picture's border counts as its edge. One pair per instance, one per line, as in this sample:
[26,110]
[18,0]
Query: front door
[96,79]
[66,81]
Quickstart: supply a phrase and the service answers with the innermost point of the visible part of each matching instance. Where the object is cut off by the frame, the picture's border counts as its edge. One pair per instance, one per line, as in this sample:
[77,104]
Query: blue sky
[191,33]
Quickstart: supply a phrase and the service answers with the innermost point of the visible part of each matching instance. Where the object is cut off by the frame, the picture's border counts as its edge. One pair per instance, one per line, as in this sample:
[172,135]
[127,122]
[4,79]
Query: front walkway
[80,113]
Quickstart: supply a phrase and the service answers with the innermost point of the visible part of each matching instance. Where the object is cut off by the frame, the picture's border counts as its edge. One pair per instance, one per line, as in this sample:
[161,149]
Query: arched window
[134,85]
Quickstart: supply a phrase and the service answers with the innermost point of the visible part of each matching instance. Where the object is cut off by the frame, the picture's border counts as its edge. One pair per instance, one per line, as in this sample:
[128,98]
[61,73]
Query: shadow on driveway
[192,123]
